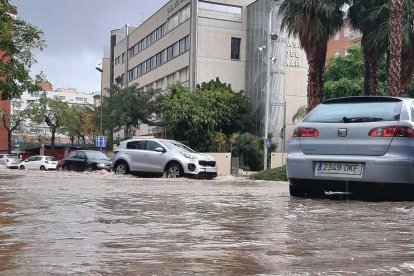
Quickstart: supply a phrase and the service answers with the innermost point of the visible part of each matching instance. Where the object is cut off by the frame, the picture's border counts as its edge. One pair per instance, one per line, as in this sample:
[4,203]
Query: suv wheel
[121,168]
[173,170]
[65,168]
[22,167]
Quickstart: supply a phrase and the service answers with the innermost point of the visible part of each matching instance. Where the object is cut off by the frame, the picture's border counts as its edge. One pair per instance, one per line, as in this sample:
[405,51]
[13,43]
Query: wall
[223,161]
[214,32]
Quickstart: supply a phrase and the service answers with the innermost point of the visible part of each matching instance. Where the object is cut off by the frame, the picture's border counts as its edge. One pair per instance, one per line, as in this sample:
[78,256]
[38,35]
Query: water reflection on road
[91,224]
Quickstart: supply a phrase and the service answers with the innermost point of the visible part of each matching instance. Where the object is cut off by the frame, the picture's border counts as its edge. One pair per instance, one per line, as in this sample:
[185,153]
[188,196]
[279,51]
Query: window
[184,44]
[336,37]
[175,50]
[152,145]
[136,145]
[219,7]
[346,32]
[170,53]
[60,98]
[235,48]
[80,155]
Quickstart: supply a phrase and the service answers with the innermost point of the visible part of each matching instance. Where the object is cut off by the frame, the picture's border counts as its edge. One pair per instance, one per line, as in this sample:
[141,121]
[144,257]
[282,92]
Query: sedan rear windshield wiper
[361,119]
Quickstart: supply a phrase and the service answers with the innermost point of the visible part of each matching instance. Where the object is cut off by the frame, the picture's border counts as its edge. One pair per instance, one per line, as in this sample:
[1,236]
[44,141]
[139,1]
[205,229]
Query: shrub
[277,174]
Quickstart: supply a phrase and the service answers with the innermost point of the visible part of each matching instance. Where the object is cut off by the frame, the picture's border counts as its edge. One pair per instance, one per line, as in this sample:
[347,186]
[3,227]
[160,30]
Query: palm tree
[407,53]
[314,22]
[370,17]
[394,69]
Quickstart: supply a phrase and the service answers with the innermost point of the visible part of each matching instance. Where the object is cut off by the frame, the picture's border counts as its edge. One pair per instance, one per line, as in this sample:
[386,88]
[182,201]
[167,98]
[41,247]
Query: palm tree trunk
[395,48]
[371,78]
[316,60]
[407,66]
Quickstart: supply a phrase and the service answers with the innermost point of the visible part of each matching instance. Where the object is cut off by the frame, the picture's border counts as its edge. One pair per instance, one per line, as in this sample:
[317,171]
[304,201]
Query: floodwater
[60,223]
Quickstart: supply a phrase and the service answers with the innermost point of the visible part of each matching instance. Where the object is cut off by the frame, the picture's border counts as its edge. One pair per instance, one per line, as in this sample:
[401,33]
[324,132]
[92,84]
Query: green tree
[373,19]
[314,22]
[219,142]
[366,16]
[129,107]
[12,122]
[240,117]
[17,41]
[83,123]
[249,149]
[344,75]
[56,114]
[196,116]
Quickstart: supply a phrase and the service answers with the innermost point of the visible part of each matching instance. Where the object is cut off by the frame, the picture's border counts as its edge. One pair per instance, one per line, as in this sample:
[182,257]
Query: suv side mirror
[160,149]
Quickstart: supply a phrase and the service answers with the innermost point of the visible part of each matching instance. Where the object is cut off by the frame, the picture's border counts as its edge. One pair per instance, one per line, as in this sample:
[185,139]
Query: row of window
[147,41]
[162,57]
[144,43]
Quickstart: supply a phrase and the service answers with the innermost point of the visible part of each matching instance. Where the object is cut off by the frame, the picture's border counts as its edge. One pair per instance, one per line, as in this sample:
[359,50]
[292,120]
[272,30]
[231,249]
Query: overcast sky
[76,32]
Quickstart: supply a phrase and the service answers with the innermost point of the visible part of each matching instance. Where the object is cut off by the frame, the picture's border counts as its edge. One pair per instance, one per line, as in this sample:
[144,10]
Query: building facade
[345,37]
[195,41]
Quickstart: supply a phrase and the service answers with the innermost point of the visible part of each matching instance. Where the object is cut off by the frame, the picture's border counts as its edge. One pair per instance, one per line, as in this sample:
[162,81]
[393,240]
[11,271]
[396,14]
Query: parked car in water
[160,156]
[86,160]
[11,161]
[39,162]
[352,144]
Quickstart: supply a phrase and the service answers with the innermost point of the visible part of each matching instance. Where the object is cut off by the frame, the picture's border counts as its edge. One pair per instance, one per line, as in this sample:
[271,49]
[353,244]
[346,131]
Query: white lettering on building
[174,5]
[292,55]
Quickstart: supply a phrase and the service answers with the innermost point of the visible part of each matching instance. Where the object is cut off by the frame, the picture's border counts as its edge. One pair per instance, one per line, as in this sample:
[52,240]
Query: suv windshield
[178,146]
[355,112]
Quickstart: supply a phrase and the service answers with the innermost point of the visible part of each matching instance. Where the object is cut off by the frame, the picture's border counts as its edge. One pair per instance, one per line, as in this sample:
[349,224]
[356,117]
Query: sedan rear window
[355,112]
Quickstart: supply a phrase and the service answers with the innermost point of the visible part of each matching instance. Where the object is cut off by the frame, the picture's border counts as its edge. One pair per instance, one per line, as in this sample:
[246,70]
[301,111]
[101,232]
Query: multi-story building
[195,41]
[345,37]
[30,131]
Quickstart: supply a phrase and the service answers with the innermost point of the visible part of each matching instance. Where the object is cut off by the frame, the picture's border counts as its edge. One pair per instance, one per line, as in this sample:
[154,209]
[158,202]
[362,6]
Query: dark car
[86,160]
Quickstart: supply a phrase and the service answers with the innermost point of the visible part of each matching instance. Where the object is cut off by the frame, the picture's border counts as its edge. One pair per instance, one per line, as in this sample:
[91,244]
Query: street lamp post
[270,60]
[101,100]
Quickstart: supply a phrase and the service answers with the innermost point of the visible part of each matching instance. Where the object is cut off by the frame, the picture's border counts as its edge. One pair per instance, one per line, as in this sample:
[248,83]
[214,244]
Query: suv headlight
[188,155]
[101,165]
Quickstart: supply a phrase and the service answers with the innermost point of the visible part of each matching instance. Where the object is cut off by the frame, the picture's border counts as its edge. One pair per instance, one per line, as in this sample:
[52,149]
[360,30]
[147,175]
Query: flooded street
[101,224]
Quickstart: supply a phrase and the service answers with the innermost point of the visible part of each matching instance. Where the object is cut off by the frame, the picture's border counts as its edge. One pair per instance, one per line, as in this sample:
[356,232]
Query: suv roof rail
[143,136]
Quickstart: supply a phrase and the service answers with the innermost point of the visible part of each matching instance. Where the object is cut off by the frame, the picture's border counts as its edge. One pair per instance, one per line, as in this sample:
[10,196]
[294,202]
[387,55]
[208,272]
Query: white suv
[160,156]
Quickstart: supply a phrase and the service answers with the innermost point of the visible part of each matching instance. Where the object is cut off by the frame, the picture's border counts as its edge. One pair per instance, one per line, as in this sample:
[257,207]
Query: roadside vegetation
[276,174]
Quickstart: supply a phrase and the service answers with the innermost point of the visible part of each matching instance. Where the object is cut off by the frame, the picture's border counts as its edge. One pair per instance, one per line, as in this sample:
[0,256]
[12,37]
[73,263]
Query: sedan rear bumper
[376,169]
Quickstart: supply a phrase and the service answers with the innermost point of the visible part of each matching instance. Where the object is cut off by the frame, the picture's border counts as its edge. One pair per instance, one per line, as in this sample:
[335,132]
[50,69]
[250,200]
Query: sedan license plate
[210,169]
[339,169]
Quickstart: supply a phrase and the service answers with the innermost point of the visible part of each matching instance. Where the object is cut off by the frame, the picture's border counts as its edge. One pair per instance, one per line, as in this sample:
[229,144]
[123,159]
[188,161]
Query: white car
[11,161]
[39,162]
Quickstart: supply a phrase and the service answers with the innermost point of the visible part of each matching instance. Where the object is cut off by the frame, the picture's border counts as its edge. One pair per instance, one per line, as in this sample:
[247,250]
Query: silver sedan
[353,145]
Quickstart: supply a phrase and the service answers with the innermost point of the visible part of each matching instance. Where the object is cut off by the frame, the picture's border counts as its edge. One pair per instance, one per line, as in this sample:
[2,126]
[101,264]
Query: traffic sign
[100,141]
[267,142]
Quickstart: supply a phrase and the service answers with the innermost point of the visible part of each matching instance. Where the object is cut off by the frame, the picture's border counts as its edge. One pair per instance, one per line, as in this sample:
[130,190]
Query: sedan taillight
[306,132]
[392,131]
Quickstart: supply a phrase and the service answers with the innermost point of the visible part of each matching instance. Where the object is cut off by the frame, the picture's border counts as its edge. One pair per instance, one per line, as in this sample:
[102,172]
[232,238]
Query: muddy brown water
[58,223]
